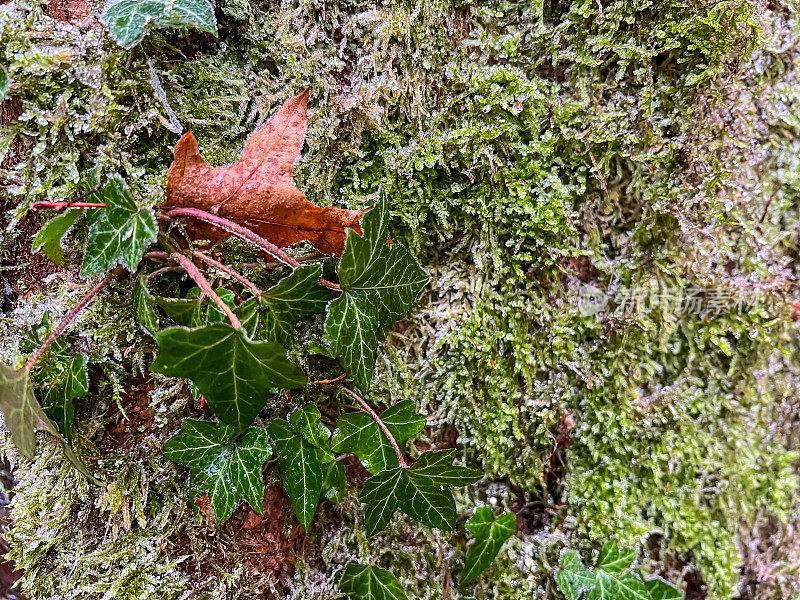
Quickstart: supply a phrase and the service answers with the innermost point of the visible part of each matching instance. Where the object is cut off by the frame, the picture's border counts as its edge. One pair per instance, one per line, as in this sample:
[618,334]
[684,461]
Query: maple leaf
[257,191]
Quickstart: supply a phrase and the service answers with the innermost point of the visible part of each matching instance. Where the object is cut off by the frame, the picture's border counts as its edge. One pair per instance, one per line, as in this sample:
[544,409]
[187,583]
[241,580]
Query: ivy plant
[235,343]
[490,535]
[613,578]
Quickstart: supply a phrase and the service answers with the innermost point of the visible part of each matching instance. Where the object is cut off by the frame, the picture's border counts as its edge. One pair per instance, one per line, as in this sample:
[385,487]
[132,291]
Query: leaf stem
[230,272]
[380,423]
[63,205]
[202,282]
[70,316]
[246,234]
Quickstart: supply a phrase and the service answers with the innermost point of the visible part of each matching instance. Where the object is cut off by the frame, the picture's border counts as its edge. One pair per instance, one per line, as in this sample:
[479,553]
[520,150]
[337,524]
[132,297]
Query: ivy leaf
[490,535]
[297,295]
[144,304]
[614,560]
[422,491]
[229,468]
[353,327]
[232,372]
[247,311]
[127,21]
[184,311]
[661,590]
[48,239]
[364,582]
[334,481]
[388,274]
[23,416]
[5,84]
[359,434]
[121,229]
[71,384]
[302,450]
[572,577]
[612,579]
[379,283]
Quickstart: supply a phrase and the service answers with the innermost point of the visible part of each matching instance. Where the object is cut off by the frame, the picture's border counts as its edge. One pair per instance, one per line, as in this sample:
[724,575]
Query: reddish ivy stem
[246,234]
[63,205]
[230,272]
[202,282]
[70,316]
[380,423]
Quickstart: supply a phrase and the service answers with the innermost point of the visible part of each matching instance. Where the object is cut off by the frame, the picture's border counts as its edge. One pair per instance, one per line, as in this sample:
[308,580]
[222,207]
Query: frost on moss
[528,149]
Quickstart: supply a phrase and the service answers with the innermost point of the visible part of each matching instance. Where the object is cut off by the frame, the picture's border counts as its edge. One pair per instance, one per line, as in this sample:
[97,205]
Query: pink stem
[246,234]
[202,282]
[380,423]
[70,316]
[62,205]
[230,272]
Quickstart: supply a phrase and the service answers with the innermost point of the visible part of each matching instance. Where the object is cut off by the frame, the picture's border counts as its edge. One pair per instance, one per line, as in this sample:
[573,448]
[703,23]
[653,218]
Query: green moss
[511,137]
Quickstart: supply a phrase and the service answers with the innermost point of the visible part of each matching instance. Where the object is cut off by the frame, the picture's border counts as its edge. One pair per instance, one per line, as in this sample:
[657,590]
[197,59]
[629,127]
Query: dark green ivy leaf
[296,296]
[358,434]
[228,467]
[365,582]
[121,229]
[490,535]
[422,491]
[334,480]
[184,311]
[72,383]
[302,451]
[48,239]
[23,416]
[127,21]
[380,283]
[234,373]
[615,560]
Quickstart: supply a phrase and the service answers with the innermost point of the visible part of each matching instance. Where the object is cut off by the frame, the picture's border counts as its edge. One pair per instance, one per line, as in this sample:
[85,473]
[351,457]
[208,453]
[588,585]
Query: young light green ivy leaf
[380,283]
[72,383]
[302,459]
[365,582]
[490,535]
[661,590]
[612,578]
[422,491]
[145,306]
[121,229]
[234,373]
[23,416]
[127,21]
[48,239]
[359,434]
[572,577]
[294,297]
[229,468]
[615,560]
